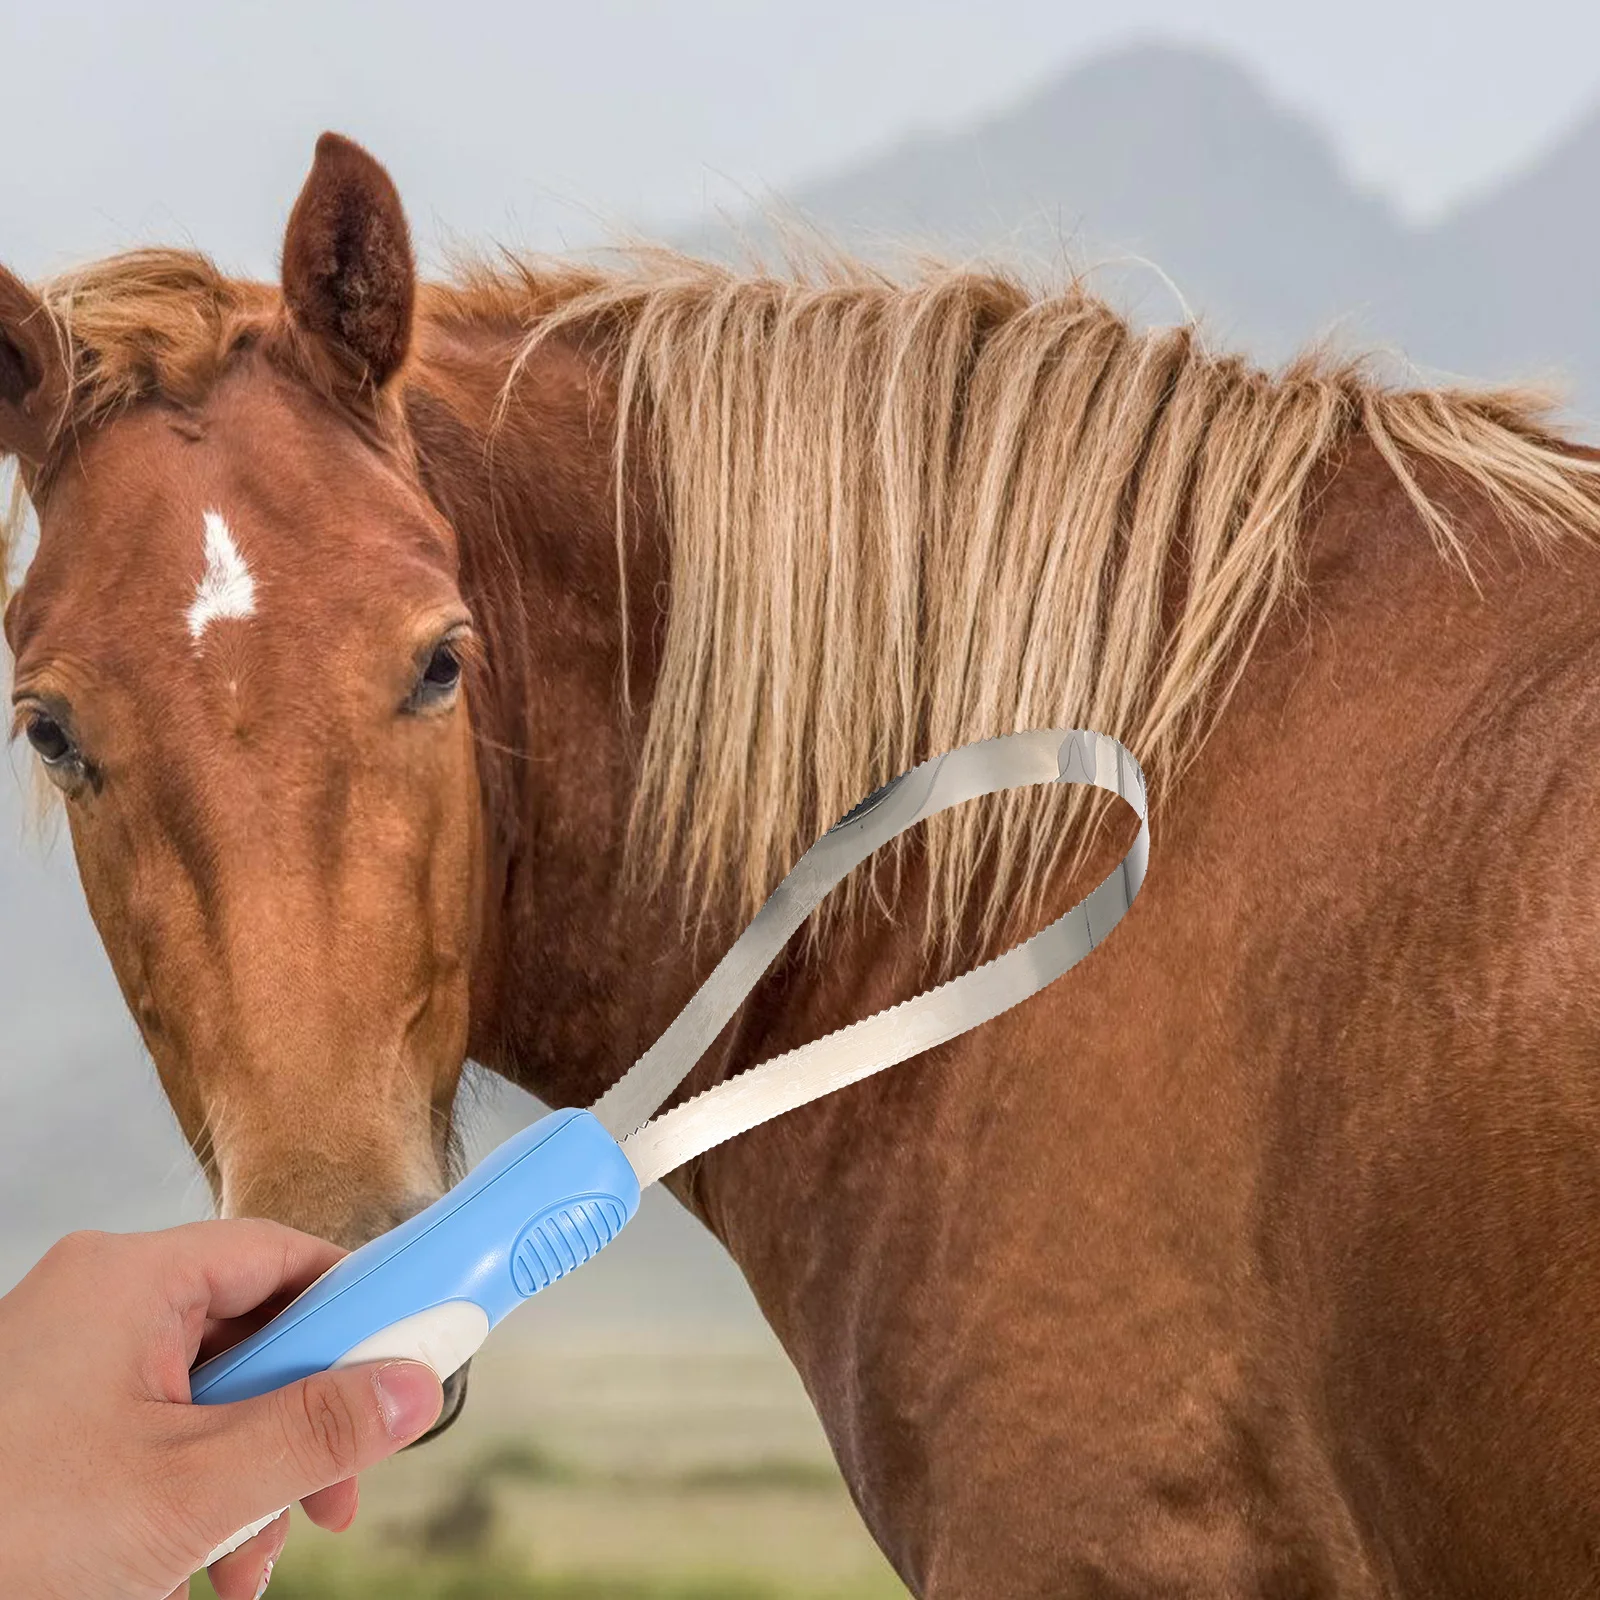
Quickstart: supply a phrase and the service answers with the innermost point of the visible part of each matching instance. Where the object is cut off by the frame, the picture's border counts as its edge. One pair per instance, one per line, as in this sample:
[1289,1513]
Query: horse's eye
[54,746]
[49,739]
[441,678]
[444,668]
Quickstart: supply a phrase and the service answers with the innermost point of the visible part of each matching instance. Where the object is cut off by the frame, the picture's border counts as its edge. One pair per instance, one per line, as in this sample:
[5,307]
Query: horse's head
[239,656]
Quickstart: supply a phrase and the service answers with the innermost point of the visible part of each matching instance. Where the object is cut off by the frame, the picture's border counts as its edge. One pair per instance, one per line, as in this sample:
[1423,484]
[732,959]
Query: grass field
[657,1471]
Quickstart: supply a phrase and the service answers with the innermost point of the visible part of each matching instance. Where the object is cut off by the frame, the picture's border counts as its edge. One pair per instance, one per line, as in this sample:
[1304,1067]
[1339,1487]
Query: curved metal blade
[906,1029]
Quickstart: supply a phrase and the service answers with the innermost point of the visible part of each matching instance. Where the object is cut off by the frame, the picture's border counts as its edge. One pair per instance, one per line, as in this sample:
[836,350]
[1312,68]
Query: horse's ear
[33,373]
[349,279]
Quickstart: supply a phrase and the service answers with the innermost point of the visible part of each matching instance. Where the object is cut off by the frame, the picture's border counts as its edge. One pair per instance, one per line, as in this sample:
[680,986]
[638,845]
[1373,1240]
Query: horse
[445,670]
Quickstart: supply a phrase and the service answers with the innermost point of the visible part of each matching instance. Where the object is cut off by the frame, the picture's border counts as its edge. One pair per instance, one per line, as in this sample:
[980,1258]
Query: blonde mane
[904,516]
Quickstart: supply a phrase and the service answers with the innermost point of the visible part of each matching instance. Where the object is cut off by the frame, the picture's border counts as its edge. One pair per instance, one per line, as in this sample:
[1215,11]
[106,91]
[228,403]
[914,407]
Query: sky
[542,125]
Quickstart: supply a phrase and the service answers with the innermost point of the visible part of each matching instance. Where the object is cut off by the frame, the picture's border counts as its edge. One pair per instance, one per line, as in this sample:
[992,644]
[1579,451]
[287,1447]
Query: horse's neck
[575,976]
[1002,1268]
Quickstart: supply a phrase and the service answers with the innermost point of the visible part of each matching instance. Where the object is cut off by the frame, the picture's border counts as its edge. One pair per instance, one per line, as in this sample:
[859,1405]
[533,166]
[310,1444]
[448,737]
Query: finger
[231,1266]
[243,1573]
[333,1508]
[220,1335]
[253,1455]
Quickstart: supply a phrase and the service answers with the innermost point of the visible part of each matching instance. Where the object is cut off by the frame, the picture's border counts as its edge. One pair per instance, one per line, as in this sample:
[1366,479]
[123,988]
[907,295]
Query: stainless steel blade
[1051,755]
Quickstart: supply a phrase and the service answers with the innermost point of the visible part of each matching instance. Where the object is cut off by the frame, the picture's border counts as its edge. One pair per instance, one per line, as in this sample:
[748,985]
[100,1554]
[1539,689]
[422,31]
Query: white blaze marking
[226,589]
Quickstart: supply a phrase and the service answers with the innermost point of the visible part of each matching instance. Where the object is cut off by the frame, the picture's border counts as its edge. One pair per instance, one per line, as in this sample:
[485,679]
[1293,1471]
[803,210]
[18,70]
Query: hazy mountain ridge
[1182,158]
[1510,284]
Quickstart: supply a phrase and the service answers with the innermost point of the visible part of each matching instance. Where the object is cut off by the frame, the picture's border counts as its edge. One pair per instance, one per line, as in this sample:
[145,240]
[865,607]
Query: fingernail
[409,1397]
[266,1578]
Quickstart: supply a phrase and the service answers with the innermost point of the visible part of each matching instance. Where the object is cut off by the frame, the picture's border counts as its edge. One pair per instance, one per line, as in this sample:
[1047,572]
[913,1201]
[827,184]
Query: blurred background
[1419,179]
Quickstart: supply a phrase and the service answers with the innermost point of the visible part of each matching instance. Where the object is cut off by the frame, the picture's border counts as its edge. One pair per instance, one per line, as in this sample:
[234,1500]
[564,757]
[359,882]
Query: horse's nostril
[455,1395]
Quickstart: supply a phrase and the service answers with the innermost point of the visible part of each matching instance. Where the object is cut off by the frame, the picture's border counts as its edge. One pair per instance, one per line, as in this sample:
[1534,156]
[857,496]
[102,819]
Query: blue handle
[530,1212]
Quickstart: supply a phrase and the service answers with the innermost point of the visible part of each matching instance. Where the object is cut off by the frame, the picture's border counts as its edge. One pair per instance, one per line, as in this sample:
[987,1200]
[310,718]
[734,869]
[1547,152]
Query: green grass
[461,1581]
[523,1461]
[772,1472]
[341,1578]
[484,1534]
[673,1474]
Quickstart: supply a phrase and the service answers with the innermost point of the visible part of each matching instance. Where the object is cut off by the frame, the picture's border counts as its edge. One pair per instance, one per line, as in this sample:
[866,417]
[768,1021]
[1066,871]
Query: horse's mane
[904,516]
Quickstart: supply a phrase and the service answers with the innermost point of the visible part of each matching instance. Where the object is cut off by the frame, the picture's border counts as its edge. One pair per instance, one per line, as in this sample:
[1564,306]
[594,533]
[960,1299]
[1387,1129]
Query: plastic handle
[530,1212]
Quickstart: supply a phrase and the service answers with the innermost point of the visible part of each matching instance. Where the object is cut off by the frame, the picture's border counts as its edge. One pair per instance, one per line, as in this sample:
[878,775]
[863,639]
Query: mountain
[1510,284]
[1184,183]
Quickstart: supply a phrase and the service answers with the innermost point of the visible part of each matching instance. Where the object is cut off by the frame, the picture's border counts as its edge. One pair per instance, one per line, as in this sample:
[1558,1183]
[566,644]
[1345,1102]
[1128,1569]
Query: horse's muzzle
[455,1397]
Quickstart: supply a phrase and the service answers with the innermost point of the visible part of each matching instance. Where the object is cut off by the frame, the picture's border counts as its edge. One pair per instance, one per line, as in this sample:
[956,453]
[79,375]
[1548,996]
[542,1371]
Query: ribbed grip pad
[560,1240]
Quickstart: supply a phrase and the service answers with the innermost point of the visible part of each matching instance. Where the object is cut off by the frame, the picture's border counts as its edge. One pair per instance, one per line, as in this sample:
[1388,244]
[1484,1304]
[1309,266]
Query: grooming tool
[555,1194]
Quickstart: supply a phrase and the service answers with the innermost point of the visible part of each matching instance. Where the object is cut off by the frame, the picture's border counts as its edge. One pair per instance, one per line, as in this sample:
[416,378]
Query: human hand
[111,1483]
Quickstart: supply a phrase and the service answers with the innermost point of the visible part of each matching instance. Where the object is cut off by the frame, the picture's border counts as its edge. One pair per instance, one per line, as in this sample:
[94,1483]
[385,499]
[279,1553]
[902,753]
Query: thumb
[257,1455]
